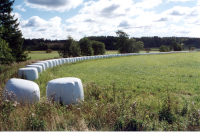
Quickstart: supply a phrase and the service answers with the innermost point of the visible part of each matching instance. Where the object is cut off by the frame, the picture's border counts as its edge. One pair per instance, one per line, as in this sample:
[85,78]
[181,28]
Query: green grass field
[35,55]
[158,83]
[150,92]
[143,74]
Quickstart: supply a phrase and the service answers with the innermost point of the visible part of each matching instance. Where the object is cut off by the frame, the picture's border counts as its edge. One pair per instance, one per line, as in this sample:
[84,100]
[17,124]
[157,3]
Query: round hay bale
[40,64]
[72,60]
[59,61]
[28,73]
[67,60]
[45,63]
[25,91]
[50,62]
[65,90]
[63,61]
[39,68]
[53,62]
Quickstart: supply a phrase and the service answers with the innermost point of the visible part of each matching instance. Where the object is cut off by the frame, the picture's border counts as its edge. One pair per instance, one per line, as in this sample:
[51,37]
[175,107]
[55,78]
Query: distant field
[43,55]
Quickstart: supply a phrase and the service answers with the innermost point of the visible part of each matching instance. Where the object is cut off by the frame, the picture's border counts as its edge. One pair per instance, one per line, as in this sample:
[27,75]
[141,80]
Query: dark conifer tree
[13,35]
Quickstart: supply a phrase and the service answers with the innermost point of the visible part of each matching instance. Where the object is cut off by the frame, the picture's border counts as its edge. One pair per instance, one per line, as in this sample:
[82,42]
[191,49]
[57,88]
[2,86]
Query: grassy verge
[153,92]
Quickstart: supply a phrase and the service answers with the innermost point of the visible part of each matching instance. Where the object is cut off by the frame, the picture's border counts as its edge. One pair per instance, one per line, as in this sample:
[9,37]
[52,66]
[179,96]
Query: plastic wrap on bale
[39,68]
[28,73]
[22,91]
[65,90]
[40,64]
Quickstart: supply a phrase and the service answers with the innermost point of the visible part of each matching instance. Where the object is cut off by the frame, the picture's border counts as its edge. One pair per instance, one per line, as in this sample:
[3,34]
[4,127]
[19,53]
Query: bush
[49,50]
[126,45]
[163,48]
[147,50]
[70,48]
[175,46]
[192,48]
[86,47]
[98,47]
[133,46]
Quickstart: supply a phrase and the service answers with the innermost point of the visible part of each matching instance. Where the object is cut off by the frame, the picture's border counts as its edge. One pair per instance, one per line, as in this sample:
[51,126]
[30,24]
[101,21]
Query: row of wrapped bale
[31,71]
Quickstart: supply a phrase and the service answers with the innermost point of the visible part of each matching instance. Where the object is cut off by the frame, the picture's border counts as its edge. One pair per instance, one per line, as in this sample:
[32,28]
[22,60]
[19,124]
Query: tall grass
[155,92]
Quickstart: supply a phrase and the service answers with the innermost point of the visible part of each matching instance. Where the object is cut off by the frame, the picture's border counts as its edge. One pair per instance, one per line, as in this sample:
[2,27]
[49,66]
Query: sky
[56,19]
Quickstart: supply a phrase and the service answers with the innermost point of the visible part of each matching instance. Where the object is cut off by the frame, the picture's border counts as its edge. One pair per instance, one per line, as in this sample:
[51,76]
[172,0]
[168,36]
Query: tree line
[111,42]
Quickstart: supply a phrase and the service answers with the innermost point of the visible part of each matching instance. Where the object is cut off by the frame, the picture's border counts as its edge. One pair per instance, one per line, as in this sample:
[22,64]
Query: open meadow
[150,92]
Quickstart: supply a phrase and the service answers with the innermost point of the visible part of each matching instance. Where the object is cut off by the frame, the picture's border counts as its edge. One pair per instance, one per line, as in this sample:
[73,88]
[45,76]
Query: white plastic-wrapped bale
[59,61]
[28,73]
[65,90]
[25,91]
[70,60]
[54,63]
[67,60]
[77,59]
[40,64]
[74,60]
[39,68]
[45,64]
[50,62]
[63,61]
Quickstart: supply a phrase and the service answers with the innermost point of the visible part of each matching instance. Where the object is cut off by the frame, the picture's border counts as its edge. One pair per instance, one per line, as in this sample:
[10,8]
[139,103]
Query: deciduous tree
[86,47]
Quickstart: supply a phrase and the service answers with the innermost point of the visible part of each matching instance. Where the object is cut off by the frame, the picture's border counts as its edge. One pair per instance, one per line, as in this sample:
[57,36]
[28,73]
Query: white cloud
[198,2]
[179,0]
[148,4]
[19,7]
[36,27]
[53,5]
[105,17]
[17,15]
